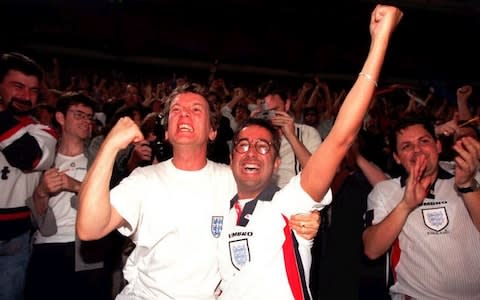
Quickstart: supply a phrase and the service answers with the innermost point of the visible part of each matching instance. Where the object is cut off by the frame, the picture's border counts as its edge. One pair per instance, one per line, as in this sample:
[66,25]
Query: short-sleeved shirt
[437,253]
[256,260]
[173,217]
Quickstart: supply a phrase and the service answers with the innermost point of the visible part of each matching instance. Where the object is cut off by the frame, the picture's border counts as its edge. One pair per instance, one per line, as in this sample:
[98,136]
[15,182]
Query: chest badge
[239,253]
[216,226]
[435,218]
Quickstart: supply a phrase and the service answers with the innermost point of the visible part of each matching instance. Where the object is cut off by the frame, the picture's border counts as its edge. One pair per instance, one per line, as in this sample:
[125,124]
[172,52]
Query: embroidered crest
[435,218]
[217,225]
[239,253]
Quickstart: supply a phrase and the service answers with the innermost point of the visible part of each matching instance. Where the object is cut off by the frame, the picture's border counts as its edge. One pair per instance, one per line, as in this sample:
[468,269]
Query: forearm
[346,126]
[95,210]
[314,97]
[373,174]
[299,105]
[377,239]
[231,104]
[472,202]
[40,200]
[301,152]
[357,101]
[463,111]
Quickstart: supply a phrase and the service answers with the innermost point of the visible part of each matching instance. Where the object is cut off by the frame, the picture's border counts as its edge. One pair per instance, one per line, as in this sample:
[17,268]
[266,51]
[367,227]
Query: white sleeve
[378,198]
[127,197]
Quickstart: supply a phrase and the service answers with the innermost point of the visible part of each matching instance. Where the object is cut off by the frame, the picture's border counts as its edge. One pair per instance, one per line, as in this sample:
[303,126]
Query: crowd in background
[315,102]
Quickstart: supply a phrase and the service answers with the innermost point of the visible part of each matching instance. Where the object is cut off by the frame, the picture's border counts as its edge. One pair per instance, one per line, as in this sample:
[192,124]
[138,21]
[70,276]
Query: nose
[251,151]
[24,94]
[185,112]
[416,148]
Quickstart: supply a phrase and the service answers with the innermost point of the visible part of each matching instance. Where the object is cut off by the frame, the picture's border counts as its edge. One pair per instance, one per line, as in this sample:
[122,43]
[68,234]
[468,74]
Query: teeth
[185,127]
[251,167]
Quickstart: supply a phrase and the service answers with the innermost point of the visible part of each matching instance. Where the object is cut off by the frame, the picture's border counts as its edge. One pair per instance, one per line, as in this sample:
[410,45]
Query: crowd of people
[191,189]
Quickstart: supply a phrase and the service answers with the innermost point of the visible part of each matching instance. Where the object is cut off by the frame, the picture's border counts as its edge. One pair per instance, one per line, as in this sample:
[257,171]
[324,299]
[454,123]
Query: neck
[247,195]
[245,191]
[189,158]
[71,147]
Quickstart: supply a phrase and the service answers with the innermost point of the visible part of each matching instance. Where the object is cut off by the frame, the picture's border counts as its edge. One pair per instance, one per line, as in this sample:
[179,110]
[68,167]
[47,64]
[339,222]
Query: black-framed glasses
[80,115]
[261,146]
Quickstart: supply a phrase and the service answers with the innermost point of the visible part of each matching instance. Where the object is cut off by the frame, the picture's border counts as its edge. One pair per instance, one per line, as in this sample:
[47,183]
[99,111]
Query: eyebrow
[419,138]
[15,82]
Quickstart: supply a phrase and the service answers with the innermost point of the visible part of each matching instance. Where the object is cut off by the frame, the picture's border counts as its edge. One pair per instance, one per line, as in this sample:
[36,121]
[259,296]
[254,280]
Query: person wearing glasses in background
[260,258]
[61,266]
[26,149]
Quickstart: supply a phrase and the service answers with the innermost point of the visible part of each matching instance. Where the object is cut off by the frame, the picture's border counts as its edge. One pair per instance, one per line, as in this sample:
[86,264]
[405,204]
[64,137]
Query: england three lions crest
[216,226]
[239,253]
[435,218]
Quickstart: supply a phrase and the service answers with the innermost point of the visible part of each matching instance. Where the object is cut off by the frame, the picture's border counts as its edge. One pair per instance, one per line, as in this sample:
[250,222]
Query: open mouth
[185,128]
[22,104]
[251,167]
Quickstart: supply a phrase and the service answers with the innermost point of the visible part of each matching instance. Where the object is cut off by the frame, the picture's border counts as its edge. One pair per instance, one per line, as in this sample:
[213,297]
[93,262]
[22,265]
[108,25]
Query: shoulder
[386,187]
[219,168]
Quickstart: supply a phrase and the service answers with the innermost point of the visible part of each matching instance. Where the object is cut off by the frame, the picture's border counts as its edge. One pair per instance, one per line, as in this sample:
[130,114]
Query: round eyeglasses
[261,146]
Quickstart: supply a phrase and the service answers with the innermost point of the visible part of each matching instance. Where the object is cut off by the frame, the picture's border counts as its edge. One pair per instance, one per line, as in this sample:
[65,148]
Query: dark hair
[149,122]
[408,121]
[188,88]
[267,124]
[19,62]
[310,109]
[273,87]
[69,99]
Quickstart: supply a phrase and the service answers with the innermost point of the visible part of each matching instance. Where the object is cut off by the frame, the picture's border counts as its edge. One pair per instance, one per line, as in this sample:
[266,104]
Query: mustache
[23,102]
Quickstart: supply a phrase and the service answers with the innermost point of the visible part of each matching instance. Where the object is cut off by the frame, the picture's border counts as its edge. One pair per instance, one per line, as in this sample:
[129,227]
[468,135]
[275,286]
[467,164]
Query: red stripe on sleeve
[23,122]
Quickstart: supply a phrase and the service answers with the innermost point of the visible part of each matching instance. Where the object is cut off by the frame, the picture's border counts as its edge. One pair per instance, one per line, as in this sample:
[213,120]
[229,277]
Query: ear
[60,118]
[439,146]
[288,102]
[212,135]
[276,164]
[396,158]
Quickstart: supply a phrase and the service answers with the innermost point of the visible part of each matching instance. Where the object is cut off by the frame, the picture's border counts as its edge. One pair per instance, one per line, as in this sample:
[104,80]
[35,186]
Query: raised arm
[463,93]
[96,216]
[324,162]
[467,163]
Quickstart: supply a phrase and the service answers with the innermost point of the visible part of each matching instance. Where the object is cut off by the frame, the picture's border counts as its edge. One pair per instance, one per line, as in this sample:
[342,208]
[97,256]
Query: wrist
[468,187]
[40,194]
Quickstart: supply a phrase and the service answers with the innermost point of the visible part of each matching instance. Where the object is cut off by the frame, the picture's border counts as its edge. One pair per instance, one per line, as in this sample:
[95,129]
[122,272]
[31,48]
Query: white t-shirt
[254,262]
[61,204]
[173,218]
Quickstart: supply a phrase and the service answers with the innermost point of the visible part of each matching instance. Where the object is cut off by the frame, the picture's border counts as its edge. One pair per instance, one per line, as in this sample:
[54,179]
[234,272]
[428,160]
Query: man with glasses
[260,258]
[75,268]
[26,148]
